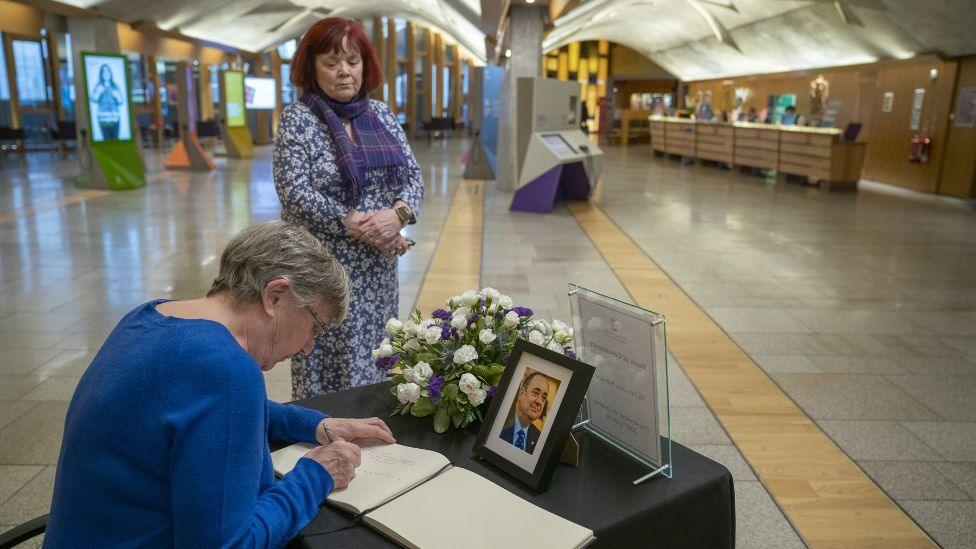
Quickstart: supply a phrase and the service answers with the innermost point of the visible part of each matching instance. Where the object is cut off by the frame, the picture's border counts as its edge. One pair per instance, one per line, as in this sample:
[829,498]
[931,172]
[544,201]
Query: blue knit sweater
[166,444]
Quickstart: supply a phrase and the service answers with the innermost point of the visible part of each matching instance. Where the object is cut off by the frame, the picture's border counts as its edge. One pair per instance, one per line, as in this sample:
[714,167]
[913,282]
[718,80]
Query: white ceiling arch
[765,36]
[255,25]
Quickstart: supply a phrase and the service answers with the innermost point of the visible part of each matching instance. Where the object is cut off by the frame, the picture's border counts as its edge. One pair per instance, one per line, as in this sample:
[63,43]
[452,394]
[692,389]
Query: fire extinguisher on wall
[915,154]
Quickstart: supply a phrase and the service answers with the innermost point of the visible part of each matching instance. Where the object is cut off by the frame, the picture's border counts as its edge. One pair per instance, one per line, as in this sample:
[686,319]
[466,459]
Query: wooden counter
[815,153]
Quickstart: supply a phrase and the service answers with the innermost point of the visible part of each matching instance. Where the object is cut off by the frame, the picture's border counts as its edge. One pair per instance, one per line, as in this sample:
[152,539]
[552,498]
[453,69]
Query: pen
[328,433]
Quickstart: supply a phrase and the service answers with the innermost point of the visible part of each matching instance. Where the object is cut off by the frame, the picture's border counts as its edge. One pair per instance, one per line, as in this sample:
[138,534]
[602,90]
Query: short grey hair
[271,250]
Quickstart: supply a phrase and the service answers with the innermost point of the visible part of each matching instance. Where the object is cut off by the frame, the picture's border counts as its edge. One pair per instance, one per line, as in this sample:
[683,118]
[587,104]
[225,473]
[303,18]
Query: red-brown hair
[326,36]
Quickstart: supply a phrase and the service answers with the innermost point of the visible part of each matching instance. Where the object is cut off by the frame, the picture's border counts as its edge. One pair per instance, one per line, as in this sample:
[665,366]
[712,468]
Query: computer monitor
[558,145]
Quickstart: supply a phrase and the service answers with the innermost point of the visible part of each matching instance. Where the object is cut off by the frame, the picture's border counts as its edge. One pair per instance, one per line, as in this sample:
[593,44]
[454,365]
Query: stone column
[525,29]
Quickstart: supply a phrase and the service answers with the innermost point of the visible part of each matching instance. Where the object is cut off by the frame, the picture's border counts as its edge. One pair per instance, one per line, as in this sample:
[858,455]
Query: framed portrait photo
[532,413]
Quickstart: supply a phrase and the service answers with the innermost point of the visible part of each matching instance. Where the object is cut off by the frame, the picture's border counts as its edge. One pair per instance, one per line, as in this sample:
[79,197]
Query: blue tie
[520,440]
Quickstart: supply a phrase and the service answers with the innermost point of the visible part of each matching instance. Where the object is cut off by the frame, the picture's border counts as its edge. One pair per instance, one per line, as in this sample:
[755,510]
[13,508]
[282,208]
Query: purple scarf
[377,148]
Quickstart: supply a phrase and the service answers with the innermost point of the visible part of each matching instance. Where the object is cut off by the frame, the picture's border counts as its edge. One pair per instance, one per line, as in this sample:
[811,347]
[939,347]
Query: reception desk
[815,153]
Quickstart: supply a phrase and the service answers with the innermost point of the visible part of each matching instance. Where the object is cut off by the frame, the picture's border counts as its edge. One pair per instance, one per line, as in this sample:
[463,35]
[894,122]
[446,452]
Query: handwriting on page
[390,465]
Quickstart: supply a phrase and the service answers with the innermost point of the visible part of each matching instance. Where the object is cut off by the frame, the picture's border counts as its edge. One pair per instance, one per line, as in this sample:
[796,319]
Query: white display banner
[108,97]
[623,395]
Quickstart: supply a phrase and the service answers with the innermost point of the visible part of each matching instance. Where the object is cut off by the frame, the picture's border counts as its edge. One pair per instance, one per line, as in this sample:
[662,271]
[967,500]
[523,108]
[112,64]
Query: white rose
[393,326]
[432,335]
[384,350]
[487,336]
[426,323]
[491,293]
[477,397]
[536,337]
[408,392]
[465,354]
[470,297]
[422,372]
[409,375]
[511,319]
[412,345]
[542,326]
[468,383]
[493,308]
[462,311]
[454,301]
[559,326]
[374,354]
[560,336]
[554,346]
[410,328]
[459,321]
[505,301]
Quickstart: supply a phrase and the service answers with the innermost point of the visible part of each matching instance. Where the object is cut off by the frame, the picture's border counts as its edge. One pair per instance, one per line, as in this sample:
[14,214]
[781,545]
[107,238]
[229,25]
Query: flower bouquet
[447,365]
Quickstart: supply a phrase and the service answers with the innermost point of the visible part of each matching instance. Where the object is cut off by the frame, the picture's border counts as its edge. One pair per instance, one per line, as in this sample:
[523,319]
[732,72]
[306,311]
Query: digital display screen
[558,145]
[234,98]
[259,93]
[107,87]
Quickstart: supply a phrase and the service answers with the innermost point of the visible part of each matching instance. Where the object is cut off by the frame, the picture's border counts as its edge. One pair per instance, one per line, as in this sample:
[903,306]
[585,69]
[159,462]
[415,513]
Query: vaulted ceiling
[255,25]
[693,39]
[700,39]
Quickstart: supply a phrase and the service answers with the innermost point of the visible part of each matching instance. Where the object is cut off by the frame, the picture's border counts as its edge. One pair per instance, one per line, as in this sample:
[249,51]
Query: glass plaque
[627,401]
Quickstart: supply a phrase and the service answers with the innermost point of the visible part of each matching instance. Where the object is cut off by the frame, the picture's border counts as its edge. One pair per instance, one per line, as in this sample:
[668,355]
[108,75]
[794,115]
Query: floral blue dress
[313,195]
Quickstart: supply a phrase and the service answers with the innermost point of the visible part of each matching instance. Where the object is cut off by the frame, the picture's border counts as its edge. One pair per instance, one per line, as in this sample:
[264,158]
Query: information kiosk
[555,158]
[107,148]
[188,154]
[233,122]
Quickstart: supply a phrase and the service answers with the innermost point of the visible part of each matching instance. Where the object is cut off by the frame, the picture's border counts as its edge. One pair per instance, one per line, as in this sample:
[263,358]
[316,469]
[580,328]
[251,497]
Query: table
[693,509]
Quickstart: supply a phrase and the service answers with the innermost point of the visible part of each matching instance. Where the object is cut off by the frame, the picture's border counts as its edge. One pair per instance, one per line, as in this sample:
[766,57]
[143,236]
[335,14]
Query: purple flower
[491,390]
[471,319]
[522,311]
[441,314]
[568,351]
[434,389]
[448,332]
[387,362]
[505,358]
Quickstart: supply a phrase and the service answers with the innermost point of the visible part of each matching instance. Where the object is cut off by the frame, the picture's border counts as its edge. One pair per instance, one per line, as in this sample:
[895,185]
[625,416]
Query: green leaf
[406,409]
[481,371]
[456,418]
[495,372]
[423,407]
[442,419]
[416,317]
[450,391]
[429,358]
[480,323]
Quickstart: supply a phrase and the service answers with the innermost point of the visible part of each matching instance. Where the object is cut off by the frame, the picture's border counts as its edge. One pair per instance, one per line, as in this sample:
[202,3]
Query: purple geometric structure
[563,181]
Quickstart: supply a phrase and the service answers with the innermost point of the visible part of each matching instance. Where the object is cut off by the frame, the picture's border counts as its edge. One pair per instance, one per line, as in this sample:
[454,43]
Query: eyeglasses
[320,327]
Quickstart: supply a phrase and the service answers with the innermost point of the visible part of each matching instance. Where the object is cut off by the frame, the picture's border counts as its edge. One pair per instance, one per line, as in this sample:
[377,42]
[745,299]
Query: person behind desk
[789,117]
[530,405]
[166,437]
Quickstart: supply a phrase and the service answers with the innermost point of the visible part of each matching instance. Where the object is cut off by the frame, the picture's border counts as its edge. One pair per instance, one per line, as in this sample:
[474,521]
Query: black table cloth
[693,509]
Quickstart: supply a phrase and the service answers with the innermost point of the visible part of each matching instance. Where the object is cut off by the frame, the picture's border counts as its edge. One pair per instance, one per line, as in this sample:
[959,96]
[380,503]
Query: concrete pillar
[525,29]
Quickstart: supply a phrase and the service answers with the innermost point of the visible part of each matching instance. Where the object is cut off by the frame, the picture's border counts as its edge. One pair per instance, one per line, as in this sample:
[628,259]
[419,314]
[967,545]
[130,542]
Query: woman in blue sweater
[166,438]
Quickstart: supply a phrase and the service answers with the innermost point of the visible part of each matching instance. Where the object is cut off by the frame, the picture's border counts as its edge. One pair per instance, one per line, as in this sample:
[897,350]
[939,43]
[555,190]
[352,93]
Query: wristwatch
[406,215]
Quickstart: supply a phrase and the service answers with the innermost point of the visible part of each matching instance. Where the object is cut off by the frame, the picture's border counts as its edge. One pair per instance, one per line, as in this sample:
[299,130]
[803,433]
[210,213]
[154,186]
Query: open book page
[386,471]
[459,508]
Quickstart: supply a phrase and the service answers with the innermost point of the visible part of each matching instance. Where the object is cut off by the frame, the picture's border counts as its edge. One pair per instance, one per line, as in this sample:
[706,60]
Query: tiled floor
[861,307]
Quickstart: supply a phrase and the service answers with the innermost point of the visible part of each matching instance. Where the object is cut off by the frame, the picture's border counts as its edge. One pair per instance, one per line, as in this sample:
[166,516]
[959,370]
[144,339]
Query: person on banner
[108,98]
[531,404]
[344,170]
[166,437]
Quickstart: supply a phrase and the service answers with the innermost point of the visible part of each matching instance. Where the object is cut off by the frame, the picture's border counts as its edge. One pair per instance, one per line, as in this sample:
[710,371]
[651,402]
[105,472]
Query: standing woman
[343,169]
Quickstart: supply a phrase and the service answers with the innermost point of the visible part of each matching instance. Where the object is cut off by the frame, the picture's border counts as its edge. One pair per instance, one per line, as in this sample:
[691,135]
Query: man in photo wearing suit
[530,405]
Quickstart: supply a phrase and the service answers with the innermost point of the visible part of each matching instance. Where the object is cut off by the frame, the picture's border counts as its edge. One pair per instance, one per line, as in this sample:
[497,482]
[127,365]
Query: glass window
[287,50]
[385,27]
[449,54]
[465,77]
[140,91]
[418,40]
[29,65]
[288,92]
[214,84]
[401,38]
[401,86]
[4,88]
[448,100]
[67,75]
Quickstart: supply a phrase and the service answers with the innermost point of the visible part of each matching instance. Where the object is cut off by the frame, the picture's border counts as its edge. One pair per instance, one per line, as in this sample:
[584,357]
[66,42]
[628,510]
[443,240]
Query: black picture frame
[534,469]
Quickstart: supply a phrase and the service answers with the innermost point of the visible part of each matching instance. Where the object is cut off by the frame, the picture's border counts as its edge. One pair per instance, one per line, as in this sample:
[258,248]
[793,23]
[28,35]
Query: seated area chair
[19,534]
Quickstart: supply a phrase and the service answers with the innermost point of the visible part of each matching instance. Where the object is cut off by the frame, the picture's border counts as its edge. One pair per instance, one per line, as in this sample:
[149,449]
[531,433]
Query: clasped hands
[341,456]
[379,230]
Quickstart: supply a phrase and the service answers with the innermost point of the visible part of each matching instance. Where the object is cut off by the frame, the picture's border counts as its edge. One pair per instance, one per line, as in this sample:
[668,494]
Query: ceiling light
[508,53]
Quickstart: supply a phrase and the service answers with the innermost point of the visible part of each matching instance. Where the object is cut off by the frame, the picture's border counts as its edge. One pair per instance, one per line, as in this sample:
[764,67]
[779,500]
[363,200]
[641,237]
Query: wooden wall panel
[959,164]
[887,153]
